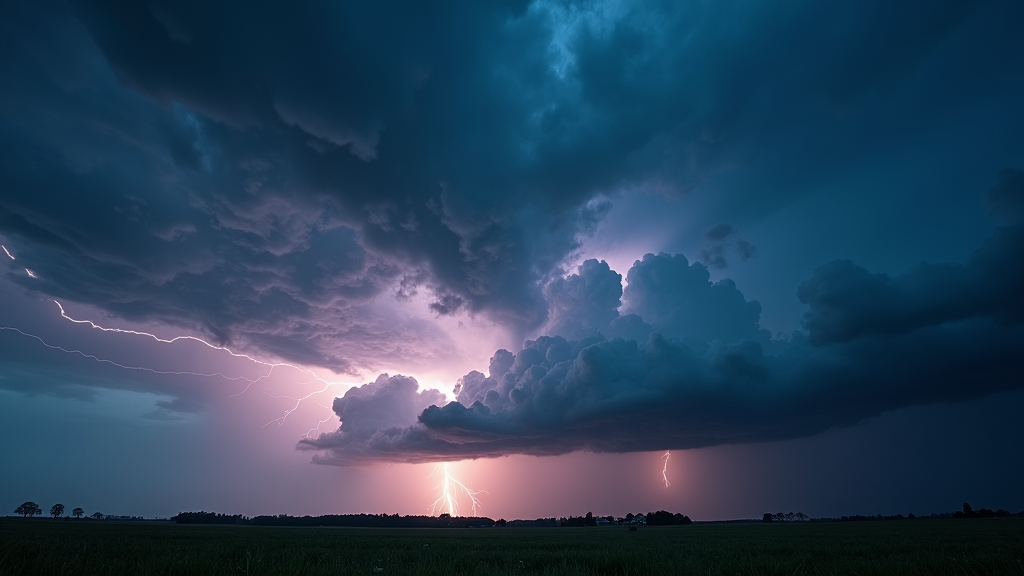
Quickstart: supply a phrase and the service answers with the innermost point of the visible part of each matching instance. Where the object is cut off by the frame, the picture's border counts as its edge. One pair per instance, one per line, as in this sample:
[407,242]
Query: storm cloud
[708,375]
[273,180]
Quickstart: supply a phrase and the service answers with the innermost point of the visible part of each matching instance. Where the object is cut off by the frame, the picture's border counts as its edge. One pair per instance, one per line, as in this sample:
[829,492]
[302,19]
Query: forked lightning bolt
[316,428]
[450,489]
[128,366]
[664,468]
[271,366]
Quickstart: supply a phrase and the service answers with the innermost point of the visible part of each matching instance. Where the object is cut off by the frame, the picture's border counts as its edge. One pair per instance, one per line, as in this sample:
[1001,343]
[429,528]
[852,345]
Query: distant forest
[659,518]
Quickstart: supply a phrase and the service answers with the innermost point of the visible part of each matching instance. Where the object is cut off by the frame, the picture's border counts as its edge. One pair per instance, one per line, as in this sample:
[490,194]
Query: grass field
[984,546]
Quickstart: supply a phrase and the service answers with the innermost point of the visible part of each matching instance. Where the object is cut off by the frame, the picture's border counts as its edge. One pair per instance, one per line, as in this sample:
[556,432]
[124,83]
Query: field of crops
[984,546]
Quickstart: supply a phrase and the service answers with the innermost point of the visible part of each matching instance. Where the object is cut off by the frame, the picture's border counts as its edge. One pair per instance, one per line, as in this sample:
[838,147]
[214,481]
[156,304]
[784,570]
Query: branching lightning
[309,433]
[271,366]
[128,366]
[450,489]
[664,468]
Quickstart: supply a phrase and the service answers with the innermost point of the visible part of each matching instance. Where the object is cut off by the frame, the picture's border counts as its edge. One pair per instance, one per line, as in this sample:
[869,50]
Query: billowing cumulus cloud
[271,176]
[708,375]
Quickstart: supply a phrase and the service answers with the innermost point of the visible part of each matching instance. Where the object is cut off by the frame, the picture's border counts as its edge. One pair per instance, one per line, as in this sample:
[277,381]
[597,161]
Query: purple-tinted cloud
[239,177]
[707,375]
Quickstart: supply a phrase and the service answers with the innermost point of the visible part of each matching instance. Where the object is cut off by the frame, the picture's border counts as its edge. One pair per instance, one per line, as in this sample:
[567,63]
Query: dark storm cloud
[720,239]
[846,301]
[707,375]
[263,172]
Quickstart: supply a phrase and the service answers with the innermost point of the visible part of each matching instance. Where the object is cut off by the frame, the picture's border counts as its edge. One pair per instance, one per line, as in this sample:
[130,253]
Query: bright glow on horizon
[450,488]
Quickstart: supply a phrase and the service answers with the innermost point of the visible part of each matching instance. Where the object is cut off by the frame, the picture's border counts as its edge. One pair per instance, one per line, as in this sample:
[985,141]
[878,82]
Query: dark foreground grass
[983,546]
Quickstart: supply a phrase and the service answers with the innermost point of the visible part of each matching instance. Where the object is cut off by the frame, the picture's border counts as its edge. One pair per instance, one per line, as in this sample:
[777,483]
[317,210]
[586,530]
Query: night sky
[545,242]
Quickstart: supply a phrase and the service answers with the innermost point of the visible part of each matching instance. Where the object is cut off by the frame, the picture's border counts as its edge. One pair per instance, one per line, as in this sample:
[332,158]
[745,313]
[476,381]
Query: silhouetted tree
[629,517]
[968,511]
[664,518]
[767,518]
[77,512]
[28,509]
[500,523]
[57,510]
[801,516]
[588,520]
[97,515]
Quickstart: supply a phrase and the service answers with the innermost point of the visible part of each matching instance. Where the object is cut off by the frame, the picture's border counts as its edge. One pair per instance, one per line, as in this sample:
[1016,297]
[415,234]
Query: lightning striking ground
[450,489]
[664,468]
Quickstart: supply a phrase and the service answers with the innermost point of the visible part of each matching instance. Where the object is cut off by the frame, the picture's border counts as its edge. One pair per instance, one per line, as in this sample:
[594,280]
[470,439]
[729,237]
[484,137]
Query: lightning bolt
[450,489]
[128,366]
[309,433]
[8,252]
[664,468]
[270,366]
[316,428]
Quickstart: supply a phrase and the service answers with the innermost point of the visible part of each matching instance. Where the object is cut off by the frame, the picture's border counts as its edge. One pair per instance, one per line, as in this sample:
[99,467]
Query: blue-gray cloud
[846,301]
[271,175]
[708,375]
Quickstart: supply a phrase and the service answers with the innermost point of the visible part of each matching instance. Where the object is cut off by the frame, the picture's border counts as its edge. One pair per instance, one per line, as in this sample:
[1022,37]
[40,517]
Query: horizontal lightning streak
[192,338]
[127,366]
[250,381]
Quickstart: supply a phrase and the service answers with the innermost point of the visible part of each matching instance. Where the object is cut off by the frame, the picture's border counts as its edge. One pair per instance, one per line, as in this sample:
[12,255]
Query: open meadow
[40,546]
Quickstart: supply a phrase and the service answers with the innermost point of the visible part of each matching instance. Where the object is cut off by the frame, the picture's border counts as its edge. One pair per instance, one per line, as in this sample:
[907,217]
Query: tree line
[57,510]
[659,518]
[785,517]
[967,512]
[348,520]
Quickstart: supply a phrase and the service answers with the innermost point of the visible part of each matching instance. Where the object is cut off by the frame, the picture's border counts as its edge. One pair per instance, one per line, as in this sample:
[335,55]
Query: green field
[983,546]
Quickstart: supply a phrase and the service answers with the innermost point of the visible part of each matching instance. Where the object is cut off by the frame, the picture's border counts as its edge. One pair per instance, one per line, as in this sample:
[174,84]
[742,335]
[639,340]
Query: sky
[279,258]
